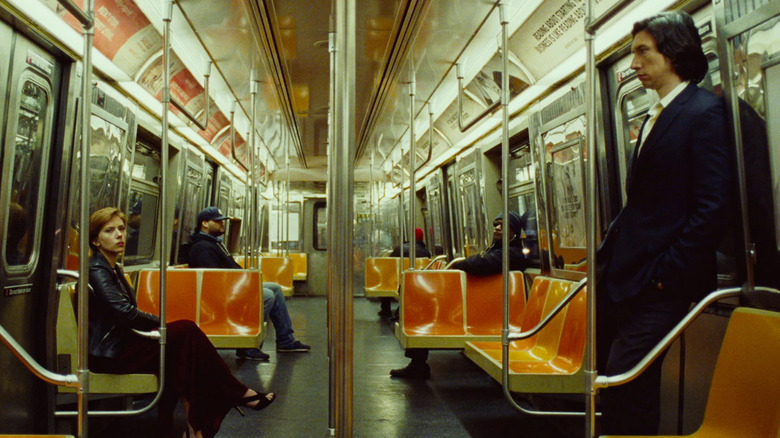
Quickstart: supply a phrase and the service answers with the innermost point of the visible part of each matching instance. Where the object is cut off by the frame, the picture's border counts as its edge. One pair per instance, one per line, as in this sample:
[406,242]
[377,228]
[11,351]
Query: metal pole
[83,286]
[732,103]
[287,202]
[253,235]
[590,217]
[505,193]
[372,224]
[340,210]
[412,173]
[331,217]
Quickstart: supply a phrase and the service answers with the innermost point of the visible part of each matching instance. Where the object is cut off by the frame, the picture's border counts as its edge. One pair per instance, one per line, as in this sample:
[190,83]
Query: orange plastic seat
[300,265]
[182,296]
[231,307]
[382,276]
[550,361]
[485,299]
[129,280]
[278,270]
[419,262]
[433,303]
[744,399]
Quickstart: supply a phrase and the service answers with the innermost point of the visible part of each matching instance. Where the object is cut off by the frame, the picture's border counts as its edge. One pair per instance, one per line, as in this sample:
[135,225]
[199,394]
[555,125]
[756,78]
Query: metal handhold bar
[69,380]
[620,379]
[84,17]
[557,309]
[488,110]
[207,106]
[233,136]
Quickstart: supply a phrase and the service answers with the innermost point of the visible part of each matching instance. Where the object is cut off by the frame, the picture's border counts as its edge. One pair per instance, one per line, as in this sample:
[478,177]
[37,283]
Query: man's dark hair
[677,38]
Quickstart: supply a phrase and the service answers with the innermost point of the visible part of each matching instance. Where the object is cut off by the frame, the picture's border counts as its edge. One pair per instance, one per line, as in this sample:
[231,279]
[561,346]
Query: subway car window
[193,203]
[26,185]
[320,226]
[633,107]
[566,172]
[471,207]
[757,54]
[523,201]
[223,196]
[105,162]
[143,203]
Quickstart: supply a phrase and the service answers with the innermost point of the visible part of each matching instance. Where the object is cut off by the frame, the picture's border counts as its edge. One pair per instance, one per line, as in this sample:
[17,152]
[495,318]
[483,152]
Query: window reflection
[143,203]
[22,214]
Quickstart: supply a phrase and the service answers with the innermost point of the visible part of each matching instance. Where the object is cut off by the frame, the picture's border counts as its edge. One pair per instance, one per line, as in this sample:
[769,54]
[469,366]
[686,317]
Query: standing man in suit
[659,252]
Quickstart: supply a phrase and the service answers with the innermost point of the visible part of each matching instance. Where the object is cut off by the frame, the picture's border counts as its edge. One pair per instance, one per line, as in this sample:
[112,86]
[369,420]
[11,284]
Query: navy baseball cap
[210,214]
[515,223]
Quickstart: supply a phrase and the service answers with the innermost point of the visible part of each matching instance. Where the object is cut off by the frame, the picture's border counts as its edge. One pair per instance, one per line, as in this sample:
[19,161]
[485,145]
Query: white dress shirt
[655,110]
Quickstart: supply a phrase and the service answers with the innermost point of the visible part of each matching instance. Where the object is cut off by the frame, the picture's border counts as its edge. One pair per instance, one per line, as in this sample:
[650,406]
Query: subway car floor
[460,400]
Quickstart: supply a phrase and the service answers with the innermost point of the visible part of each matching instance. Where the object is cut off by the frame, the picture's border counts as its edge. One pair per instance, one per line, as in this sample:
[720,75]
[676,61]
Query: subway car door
[30,80]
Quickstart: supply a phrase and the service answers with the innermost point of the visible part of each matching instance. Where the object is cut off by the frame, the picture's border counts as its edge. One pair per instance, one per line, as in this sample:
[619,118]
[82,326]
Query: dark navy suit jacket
[677,209]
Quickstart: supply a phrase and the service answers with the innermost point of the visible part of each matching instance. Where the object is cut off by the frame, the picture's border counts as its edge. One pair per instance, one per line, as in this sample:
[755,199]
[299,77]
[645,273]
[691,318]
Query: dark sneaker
[385,313]
[295,347]
[251,354]
[412,372]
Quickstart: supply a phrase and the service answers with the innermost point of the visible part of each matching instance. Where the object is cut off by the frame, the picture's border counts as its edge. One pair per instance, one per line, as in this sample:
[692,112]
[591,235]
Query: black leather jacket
[113,310]
[489,262]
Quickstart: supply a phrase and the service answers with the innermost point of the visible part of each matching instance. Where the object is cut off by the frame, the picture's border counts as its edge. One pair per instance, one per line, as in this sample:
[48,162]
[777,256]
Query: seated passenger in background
[194,372]
[486,263]
[420,250]
[207,251]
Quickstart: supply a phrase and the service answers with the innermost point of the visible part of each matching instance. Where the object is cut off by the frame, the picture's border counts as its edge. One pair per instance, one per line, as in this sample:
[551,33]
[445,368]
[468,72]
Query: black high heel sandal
[262,402]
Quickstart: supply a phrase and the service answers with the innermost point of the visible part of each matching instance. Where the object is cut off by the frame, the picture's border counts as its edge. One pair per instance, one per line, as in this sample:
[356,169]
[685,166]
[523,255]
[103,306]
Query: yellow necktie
[654,113]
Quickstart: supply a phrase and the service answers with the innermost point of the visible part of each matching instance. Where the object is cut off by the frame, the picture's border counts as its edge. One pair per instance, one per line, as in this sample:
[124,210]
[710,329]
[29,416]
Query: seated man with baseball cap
[207,251]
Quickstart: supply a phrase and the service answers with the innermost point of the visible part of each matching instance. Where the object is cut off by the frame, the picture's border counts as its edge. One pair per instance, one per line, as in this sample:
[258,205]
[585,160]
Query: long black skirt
[194,373]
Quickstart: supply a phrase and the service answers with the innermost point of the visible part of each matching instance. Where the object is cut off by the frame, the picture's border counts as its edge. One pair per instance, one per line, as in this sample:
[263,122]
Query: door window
[28,156]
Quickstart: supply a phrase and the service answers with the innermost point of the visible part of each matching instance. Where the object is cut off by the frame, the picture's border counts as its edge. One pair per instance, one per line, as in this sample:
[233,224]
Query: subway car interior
[330,135]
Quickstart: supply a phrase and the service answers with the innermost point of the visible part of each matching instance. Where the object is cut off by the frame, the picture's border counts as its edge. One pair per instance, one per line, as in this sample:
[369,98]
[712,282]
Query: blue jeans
[275,308]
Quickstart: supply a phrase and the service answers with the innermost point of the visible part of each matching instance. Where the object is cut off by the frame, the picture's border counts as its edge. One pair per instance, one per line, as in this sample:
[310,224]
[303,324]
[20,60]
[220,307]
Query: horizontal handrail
[456,259]
[70,380]
[80,15]
[434,260]
[564,302]
[619,379]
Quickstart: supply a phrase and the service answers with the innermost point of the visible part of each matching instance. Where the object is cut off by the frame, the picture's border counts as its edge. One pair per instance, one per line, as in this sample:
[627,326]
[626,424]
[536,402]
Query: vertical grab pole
[253,239]
[332,377]
[341,156]
[83,288]
[287,202]
[412,173]
[249,212]
[371,203]
[505,193]
[590,217]
[166,100]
